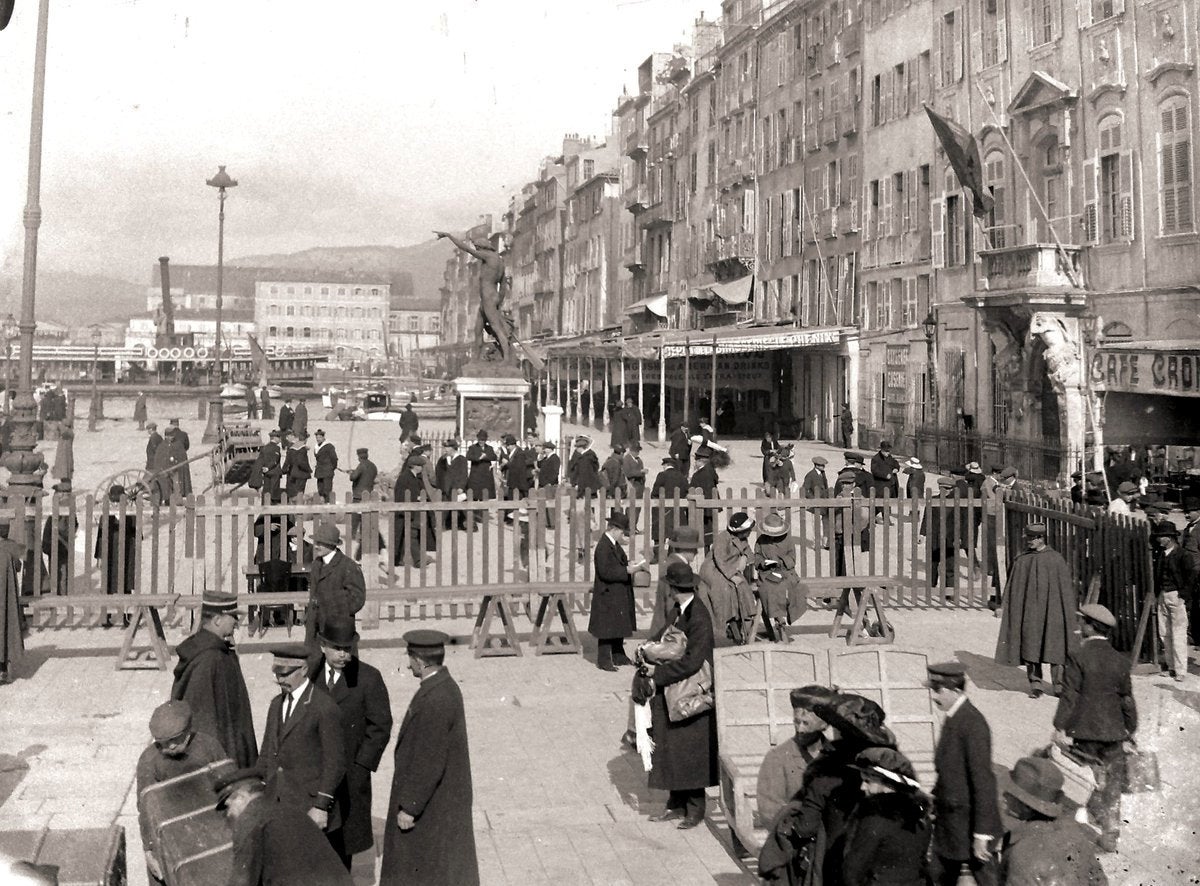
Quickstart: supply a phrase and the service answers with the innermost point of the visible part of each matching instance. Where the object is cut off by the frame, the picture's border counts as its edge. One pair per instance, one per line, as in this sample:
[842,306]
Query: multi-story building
[593,269]
[346,312]
[414,324]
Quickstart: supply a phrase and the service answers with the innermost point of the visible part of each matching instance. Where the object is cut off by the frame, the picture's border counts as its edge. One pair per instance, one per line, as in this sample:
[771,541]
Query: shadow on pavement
[990,676]
[625,773]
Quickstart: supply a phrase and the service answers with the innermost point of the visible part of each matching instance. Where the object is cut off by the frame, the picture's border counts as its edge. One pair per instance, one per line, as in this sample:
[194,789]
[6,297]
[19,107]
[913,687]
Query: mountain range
[76,299]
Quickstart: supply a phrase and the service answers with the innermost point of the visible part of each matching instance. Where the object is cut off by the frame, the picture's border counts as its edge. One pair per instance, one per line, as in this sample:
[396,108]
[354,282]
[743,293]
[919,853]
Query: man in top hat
[816,485]
[481,482]
[1127,492]
[966,812]
[1174,581]
[410,422]
[704,482]
[684,759]
[914,486]
[1045,844]
[670,483]
[1037,622]
[303,758]
[327,462]
[272,842]
[429,836]
[781,773]
[176,749]
[153,441]
[680,447]
[209,678]
[335,582]
[612,616]
[366,713]
[1097,711]
[683,546]
[885,471]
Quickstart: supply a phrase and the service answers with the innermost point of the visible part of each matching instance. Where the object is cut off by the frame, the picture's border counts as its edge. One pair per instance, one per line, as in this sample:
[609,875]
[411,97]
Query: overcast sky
[349,123]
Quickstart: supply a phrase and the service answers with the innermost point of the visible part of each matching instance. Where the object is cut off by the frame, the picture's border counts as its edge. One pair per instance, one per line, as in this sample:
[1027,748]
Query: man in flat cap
[429,837]
[362,699]
[1037,622]
[1097,711]
[176,750]
[274,843]
[303,759]
[335,583]
[327,461]
[1173,581]
[1122,505]
[816,484]
[209,678]
[967,821]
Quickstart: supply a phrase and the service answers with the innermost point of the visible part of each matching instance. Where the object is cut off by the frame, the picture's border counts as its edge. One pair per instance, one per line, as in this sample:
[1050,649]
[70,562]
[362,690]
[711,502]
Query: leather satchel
[690,696]
[669,647]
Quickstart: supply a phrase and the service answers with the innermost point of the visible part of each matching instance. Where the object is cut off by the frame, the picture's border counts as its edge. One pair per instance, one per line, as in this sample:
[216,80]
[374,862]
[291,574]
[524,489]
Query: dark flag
[963,153]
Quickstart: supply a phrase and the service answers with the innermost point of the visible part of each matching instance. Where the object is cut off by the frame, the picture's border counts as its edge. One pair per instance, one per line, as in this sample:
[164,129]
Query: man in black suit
[286,415]
[300,418]
[671,483]
[965,800]
[481,482]
[362,700]
[153,441]
[335,583]
[1096,709]
[612,618]
[450,479]
[296,467]
[816,484]
[704,481]
[885,471]
[303,758]
[680,447]
[327,462]
[269,468]
[273,843]
[547,471]
[429,836]
[1189,540]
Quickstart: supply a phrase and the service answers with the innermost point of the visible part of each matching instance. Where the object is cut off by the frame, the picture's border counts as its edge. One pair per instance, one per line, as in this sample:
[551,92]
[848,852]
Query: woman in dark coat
[779,588]
[768,446]
[684,761]
[887,837]
[120,566]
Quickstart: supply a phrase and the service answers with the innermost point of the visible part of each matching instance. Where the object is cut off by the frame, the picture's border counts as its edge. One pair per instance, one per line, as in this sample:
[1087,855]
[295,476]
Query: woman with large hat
[887,837]
[723,584]
[779,588]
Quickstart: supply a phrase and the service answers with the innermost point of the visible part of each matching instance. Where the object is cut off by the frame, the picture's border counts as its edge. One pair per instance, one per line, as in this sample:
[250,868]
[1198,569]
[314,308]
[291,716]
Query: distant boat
[237,391]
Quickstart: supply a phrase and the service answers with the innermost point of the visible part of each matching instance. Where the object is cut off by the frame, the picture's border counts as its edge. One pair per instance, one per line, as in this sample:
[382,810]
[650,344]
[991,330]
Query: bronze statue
[492,290]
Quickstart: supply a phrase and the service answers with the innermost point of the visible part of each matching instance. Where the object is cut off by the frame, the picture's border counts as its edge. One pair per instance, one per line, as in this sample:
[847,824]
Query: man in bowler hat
[335,582]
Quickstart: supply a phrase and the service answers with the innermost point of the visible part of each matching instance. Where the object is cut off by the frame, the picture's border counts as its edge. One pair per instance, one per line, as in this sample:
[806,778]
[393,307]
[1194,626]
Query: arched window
[1176,215]
[993,178]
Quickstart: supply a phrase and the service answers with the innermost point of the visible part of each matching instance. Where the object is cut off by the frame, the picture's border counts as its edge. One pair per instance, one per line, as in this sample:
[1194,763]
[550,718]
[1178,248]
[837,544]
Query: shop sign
[1174,373]
[750,371]
[896,384]
[743,344]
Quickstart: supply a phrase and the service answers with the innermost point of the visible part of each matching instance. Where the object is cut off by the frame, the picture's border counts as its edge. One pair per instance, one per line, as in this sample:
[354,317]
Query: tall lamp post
[94,408]
[23,460]
[931,328]
[216,406]
[11,332]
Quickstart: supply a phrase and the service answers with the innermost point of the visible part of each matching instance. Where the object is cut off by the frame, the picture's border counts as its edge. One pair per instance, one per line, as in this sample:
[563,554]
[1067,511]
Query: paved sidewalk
[557,801]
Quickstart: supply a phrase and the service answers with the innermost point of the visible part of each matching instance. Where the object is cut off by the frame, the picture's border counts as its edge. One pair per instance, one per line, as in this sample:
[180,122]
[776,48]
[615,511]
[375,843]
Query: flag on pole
[259,356]
[963,153]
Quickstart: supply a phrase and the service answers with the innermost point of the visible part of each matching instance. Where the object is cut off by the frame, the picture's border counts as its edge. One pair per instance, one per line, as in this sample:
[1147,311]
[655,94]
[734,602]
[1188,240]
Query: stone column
[552,423]
[1064,368]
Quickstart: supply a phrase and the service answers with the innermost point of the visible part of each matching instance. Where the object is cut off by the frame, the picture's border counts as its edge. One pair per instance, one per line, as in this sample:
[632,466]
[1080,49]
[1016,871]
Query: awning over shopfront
[759,340]
[735,292]
[1150,392]
[655,304]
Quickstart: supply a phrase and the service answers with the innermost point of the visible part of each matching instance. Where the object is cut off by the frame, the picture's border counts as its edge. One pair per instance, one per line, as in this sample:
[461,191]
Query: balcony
[851,41]
[1032,266]
[637,199]
[671,145]
[635,145]
[635,260]
[735,247]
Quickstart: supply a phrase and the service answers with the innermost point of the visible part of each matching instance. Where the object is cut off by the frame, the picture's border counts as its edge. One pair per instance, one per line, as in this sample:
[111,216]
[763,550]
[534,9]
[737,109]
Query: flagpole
[1062,253]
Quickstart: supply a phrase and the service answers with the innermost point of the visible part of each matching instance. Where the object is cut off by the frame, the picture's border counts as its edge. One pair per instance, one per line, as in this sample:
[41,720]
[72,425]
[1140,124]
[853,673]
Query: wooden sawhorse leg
[545,640]
[157,654]
[494,606]
[870,597]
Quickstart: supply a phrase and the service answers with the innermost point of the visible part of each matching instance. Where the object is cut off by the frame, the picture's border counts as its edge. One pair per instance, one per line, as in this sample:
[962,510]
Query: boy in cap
[429,836]
[1174,581]
[1127,491]
[1097,711]
[273,843]
[966,812]
[209,678]
[335,582]
[816,485]
[176,749]
[1037,621]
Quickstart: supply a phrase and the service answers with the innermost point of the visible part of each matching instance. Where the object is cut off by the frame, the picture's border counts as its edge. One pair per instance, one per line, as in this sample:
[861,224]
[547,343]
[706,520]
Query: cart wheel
[137,485]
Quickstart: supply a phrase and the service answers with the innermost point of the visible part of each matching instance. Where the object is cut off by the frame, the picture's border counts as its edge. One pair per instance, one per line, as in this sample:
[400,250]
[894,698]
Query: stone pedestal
[552,423]
[491,398]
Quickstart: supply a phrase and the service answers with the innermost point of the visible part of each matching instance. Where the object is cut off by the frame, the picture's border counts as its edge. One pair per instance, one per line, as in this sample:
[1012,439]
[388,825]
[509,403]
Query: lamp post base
[216,418]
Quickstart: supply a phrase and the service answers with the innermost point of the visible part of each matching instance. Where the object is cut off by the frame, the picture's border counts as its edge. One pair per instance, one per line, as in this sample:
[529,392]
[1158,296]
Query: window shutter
[1183,184]
[1030,27]
[885,209]
[937,223]
[1001,33]
[960,42]
[1167,218]
[848,285]
[1091,208]
[935,73]
[1125,194]
[977,13]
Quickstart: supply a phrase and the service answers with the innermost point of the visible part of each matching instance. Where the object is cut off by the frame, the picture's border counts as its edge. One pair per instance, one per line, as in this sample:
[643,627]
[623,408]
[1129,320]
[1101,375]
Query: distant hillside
[414,270]
[76,299]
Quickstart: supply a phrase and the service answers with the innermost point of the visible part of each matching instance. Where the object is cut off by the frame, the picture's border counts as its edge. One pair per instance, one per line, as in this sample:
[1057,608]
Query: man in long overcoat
[362,700]
[335,583]
[286,415]
[1037,623]
[410,422]
[684,761]
[139,410]
[296,467]
[300,419]
[303,760]
[671,483]
[680,447]
[414,529]
[704,481]
[209,678]
[612,616]
[429,837]
[481,481]
[153,441]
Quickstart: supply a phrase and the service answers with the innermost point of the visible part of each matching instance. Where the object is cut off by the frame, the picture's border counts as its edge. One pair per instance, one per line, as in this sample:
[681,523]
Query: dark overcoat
[139,408]
[432,783]
[285,418]
[480,479]
[366,711]
[685,752]
[965,798]
[278,845]
[669,483]
[816,484]
[1096,702]
[887,840]
[336,588]
[612,615]
[705,481]
[269,468]
[209,678]
[300,419]
[119,545]
[152,443]
[583,472]
[450,474]
[1038,620]
[327,461]
[1061,851]
[548,470]
[297,469]
[305,757]
[681,447]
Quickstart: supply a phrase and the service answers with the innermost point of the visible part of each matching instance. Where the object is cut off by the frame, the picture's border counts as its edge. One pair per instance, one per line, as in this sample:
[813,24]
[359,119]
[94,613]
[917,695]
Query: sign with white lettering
[1174,373]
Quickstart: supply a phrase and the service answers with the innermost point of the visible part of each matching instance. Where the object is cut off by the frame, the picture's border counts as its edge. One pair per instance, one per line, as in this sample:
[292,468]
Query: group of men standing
[299,802]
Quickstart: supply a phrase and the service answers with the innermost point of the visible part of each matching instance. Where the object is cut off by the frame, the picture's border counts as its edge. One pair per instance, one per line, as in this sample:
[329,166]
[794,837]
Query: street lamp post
[931,326]
[216,407]
[25,463]
[11,332]
[94,408]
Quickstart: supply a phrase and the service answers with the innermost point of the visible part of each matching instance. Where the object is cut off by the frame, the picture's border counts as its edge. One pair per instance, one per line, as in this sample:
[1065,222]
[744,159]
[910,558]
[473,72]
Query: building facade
[347,313]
